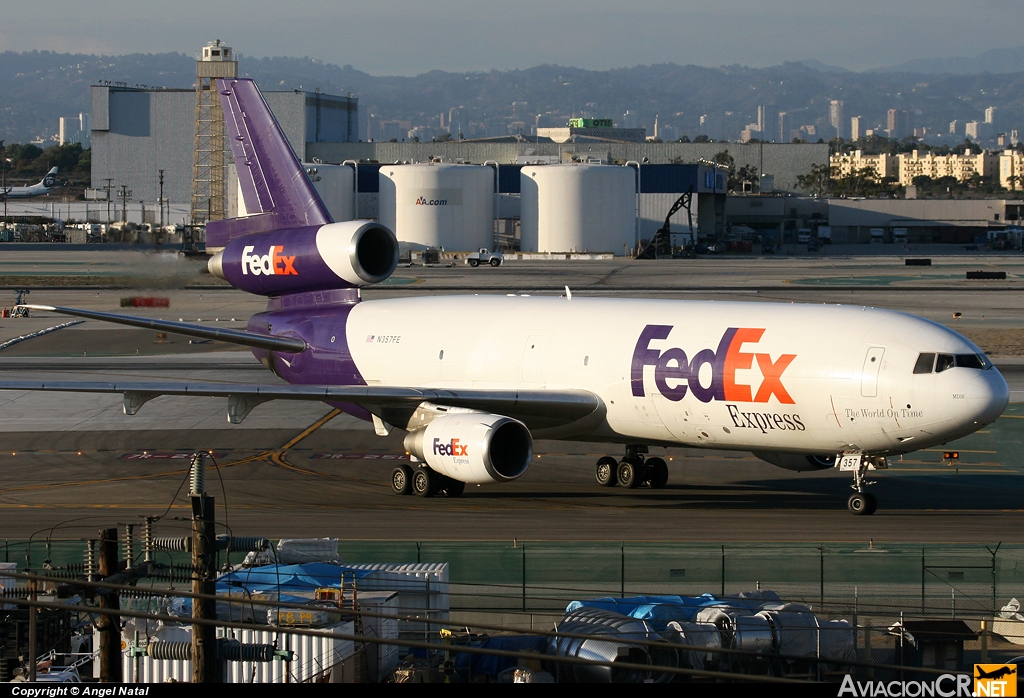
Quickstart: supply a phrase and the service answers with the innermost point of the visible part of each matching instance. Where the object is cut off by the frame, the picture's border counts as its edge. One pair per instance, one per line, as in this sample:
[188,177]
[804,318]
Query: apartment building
[848,163]
[1011,170]
[962,167]
[907,166]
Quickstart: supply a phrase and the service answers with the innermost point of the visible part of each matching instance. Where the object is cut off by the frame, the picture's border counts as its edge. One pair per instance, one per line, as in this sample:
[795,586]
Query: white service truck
[484,256]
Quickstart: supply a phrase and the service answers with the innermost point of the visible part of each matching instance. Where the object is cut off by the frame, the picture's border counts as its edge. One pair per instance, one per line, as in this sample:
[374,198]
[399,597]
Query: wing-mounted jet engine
[466,447]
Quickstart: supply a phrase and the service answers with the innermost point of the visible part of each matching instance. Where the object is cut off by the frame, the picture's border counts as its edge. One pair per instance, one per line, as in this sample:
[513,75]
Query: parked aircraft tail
[50,180]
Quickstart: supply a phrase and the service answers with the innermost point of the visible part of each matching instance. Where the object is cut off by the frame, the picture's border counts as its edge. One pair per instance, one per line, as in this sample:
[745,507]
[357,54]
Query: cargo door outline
[869,372]
[531,359]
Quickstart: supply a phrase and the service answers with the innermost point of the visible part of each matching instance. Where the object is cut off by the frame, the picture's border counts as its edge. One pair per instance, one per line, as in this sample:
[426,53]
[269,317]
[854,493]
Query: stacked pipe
[616,638]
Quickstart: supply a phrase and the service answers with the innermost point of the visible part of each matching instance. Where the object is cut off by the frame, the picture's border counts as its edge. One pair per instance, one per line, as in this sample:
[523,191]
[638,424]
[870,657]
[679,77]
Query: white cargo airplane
[43,186]
[473,379]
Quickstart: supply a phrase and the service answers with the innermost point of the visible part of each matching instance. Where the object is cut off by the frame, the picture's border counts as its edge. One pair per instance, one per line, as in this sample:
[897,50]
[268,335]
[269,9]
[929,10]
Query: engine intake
[474,447]
[315,258]
[796,461]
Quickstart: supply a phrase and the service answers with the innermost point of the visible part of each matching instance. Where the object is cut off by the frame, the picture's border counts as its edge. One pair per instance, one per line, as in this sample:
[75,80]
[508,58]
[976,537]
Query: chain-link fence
[949,581]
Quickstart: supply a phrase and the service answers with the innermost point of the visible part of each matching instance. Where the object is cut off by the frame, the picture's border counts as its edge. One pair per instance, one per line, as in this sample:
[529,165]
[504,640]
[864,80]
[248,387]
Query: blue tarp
[492,665]
[283,578]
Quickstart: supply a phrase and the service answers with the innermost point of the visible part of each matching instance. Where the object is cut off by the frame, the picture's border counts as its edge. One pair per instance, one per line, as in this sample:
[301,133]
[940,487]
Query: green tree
[747,175]
[818,181]
[726,161]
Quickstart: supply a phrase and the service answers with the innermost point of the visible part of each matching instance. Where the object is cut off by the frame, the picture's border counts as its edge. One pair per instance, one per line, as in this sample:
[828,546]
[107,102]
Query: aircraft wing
[538,409]
[291,345]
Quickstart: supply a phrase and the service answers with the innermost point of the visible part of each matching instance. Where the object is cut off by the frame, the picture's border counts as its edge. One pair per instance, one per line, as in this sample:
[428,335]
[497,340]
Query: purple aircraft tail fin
[274,186]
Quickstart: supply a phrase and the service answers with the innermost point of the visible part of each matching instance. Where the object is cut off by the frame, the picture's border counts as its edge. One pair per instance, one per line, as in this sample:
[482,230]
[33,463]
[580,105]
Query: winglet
[271,178]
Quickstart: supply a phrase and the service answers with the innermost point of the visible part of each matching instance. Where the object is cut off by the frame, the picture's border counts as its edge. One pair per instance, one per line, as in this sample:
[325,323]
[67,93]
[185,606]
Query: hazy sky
[406,37]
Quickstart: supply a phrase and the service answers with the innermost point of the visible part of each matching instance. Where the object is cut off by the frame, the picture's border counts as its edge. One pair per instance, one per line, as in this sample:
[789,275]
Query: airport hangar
[137,132]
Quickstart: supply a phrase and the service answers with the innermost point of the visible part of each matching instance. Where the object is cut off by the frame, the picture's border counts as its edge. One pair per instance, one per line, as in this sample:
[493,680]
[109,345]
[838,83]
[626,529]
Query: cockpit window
[977,361]
[944,361]
[924,363]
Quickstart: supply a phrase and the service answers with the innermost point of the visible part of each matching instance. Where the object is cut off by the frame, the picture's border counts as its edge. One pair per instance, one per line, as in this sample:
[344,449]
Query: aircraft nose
[987,396]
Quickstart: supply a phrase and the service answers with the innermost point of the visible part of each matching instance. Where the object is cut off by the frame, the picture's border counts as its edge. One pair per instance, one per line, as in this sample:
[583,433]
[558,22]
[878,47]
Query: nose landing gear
[861,503]
[632,471]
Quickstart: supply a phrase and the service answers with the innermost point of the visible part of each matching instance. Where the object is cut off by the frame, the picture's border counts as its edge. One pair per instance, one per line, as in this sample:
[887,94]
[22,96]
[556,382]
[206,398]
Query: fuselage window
[924,363]
[944,361]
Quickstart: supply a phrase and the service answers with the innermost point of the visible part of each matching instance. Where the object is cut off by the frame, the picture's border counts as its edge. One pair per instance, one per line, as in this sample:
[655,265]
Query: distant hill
[39,87]
[997,60]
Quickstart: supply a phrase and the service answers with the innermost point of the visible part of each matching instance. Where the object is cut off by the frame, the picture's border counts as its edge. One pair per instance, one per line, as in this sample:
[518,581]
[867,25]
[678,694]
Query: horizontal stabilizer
[290,345]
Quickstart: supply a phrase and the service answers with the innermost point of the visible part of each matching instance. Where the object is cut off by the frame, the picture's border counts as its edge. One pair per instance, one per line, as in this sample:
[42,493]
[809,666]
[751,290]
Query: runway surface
[301,470]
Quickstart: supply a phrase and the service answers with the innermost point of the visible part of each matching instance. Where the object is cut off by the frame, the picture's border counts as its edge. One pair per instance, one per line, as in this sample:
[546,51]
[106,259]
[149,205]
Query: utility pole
[125,194]
[109,627]
[3,185]
[205,665]
[107,189]
[32,634]
[161,198]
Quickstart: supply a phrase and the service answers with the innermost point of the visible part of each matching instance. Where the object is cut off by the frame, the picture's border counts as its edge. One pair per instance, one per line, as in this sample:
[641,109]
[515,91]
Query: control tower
[209,163]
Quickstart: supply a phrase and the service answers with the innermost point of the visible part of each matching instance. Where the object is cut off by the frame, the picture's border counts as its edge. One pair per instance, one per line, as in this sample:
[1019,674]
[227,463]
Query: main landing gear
[632,471]
[424,482]
[861,503]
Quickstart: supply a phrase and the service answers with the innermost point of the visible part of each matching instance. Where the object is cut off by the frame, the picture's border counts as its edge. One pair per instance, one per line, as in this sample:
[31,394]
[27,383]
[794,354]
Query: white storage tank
[577,208]
[447,206]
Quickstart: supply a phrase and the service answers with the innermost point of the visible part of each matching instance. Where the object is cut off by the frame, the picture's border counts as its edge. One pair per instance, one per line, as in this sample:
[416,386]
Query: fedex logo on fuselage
[271,264]
[452,448]
[674,373]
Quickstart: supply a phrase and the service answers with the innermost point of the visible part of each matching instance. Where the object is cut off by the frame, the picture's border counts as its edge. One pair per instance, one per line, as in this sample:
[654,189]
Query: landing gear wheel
[425,482]
[861,504]
[629,474]
[606,471]
[658,472]
[872,503]
[495,262]
[474,262]
[454,488]
[401,480]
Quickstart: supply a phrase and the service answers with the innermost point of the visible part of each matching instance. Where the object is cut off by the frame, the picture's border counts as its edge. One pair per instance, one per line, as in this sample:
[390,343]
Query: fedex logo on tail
[675,373]
[452,448]
[271,264]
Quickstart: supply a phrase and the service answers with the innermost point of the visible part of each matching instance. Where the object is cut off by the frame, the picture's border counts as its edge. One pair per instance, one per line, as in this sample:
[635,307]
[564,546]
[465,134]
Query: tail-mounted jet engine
[313,258]
[796,461]
[474,447]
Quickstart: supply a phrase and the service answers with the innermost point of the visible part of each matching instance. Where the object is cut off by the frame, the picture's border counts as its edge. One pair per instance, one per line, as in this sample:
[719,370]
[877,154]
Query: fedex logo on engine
[452,448]
[674,374]
[271,264]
